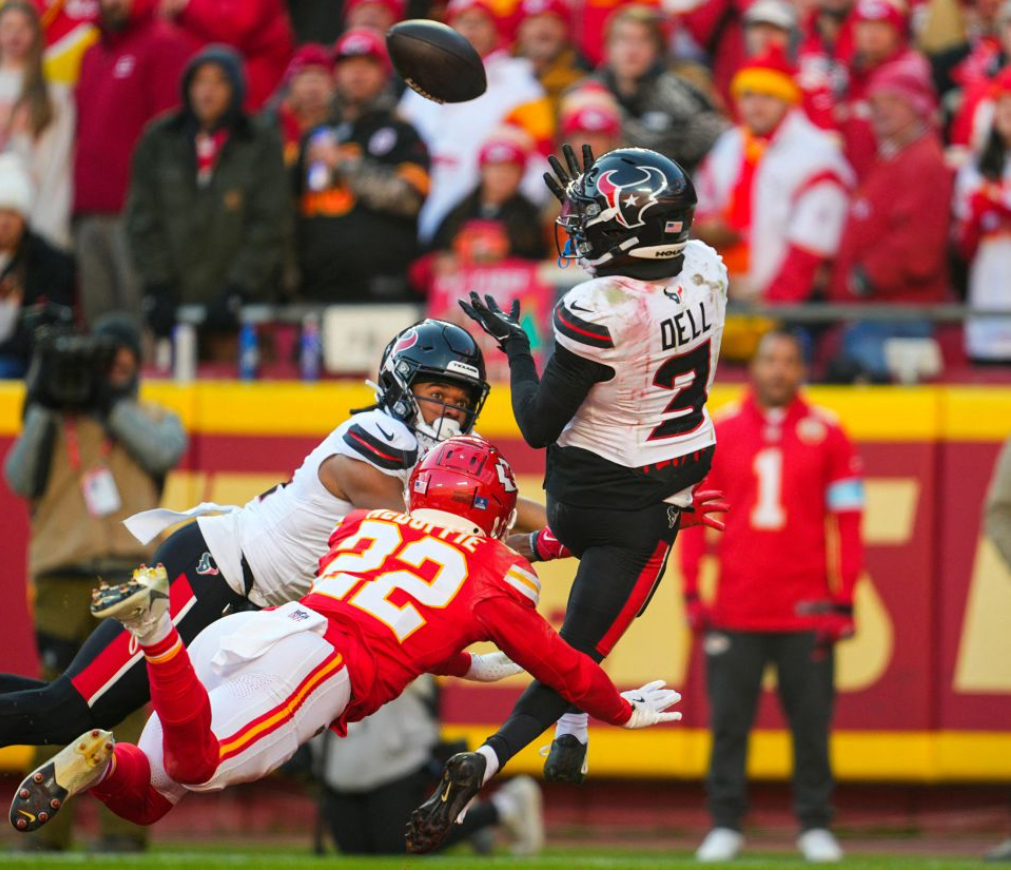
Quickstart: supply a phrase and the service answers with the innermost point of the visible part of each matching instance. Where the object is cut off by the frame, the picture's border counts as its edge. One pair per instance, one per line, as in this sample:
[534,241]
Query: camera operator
[90,454]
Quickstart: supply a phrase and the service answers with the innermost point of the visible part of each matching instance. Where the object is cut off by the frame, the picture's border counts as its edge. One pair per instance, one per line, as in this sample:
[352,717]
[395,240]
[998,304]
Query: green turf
[599,859]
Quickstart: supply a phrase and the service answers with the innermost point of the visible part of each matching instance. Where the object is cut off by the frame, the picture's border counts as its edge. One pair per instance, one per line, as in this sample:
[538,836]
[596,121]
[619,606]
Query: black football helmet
[432,351]
[629,211]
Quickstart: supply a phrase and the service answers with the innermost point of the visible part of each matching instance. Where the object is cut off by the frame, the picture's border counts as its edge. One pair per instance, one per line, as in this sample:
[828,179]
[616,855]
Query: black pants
[735,662]
[374,822]
[107,680]
[622,557]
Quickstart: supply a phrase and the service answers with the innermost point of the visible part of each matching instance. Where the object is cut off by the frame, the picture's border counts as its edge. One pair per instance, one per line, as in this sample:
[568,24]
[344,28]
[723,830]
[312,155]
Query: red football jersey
[405,597]
[795,489]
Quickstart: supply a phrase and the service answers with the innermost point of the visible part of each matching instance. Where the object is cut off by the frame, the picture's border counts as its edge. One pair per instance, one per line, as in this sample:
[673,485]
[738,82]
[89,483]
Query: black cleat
[566,761]
[461,781]
[71,771]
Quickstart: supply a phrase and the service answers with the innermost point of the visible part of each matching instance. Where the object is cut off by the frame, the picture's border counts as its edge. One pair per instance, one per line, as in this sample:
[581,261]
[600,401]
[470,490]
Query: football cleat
[461,781]
[75,768]
[139,604]
[567,759]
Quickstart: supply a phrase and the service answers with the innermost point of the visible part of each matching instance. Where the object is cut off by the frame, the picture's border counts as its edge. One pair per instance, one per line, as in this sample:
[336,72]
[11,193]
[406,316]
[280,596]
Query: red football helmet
[466,477]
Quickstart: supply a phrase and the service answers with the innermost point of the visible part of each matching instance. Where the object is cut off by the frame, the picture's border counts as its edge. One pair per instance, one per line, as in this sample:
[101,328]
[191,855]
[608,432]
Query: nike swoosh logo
[579,309]
[383,432]
[442,798]
[31,817]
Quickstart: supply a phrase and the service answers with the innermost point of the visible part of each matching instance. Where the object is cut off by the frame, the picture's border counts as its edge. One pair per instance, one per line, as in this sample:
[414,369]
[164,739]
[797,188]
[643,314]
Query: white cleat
[139,604]
[70,772]
[521,812]
[720,845]
[819,846]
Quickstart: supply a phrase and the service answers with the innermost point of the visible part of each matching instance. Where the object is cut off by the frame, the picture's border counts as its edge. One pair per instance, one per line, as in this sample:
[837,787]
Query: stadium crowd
[218,153]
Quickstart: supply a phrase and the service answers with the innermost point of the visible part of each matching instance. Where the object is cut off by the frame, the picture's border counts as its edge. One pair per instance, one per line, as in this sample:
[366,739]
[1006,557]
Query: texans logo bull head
[405,342]
[629,200]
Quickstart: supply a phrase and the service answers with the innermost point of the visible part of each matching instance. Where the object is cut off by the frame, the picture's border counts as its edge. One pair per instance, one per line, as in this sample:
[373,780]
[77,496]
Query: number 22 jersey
[404,596]
[662,340]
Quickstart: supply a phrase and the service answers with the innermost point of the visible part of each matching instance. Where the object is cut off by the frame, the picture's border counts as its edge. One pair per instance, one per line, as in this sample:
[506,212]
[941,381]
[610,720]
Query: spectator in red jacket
[258,29]
[308,103]
[894,243]
[127,78]
[788,563]
[880,37]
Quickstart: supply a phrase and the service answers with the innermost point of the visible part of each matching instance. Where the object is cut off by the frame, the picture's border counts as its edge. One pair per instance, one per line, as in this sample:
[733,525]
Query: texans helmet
[629,212]
[466,477]
[432,351]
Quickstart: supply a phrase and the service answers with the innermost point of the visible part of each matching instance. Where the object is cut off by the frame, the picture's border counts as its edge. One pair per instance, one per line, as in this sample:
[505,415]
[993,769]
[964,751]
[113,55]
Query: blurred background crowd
[183,159]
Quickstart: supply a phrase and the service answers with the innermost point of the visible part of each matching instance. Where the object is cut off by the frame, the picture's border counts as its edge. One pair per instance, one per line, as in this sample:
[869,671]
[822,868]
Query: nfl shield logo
[673,227]
[480,503]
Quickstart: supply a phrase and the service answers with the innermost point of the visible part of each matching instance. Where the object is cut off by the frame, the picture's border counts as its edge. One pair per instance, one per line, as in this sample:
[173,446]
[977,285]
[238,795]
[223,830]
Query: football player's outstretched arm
[360,484]
[524,635]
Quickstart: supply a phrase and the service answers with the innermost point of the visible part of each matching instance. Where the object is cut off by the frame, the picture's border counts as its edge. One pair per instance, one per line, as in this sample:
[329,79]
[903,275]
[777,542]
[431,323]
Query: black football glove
[504,327]
[558,183]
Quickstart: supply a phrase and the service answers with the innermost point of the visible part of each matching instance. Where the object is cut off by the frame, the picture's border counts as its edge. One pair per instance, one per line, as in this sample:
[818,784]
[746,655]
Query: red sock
[127,791]
[181,702]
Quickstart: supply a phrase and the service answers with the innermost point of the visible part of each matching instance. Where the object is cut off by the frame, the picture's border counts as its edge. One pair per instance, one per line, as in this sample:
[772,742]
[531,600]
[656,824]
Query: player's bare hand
[494,320]
[491,667]
[703,503]
[650,705]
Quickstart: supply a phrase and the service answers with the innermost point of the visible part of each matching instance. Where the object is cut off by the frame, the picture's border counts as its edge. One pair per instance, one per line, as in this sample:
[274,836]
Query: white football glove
[649,703]
[491,667]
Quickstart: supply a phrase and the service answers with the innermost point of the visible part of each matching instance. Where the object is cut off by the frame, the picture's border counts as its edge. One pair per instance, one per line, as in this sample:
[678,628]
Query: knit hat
[888,11]
[361,42]
[778,13]
[311,54]
[908,81]
[16,192]
[770,73]
[396,7]
[502,150]
[530,8]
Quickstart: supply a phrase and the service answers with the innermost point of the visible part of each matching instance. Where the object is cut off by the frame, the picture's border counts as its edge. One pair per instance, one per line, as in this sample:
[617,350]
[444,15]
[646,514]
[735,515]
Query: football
[436,61]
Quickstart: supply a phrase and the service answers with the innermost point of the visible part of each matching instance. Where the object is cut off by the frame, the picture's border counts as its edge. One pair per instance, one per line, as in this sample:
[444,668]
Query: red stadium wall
[925,689]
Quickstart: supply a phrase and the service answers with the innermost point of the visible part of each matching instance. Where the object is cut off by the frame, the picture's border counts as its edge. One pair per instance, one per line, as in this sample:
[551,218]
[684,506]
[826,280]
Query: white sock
[574,724]
[491,762]
[158,633]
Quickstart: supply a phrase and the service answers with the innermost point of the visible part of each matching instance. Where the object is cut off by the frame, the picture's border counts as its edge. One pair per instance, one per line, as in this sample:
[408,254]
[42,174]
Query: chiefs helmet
[629,212]
[432,351]
[468,478]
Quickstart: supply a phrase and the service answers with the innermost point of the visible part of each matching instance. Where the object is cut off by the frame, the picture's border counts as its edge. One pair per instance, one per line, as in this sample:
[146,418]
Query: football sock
[491,762]
[126,787]
[182,705]
[574,724]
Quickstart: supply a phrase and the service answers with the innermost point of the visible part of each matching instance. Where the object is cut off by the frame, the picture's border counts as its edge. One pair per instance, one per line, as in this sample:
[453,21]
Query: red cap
[458,7]
[881,10]
[502,151]
[397,7]
[530,8]
[311,54]
[361,42]
[908,80]
[592,120]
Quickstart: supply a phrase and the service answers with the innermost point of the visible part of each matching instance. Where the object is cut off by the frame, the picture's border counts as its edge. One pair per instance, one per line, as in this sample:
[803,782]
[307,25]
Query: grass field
[597,859]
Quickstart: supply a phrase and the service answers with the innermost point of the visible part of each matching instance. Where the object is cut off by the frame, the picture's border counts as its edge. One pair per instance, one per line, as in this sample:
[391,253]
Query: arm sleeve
[543,407]
[998,504]
[524,635]
[26,468]
[454,666]
[845,499]
[155,442]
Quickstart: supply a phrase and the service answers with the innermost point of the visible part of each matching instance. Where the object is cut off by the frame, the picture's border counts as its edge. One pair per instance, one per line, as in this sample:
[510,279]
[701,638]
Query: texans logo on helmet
[630,198]
[406,342]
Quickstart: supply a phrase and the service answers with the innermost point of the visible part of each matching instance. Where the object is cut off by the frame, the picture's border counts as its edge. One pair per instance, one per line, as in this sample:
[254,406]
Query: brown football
[436,61]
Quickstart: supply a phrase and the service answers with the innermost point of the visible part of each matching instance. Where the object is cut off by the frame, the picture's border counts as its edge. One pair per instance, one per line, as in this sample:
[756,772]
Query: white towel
[147,525]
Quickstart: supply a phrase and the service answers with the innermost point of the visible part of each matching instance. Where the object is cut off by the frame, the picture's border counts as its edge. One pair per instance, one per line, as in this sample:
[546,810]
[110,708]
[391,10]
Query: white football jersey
[283,533]
[662,339]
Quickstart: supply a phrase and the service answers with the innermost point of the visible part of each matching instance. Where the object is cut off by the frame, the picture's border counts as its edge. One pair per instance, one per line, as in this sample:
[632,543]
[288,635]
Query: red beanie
[311,54]
[361,42]
[909,81]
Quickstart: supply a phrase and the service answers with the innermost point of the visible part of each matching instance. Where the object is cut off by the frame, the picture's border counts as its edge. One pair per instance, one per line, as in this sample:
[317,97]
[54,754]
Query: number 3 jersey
[662,340]
[405,596]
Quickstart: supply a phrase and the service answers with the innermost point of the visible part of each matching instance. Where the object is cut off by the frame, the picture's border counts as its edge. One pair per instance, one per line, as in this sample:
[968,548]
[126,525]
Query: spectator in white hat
[32,270]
